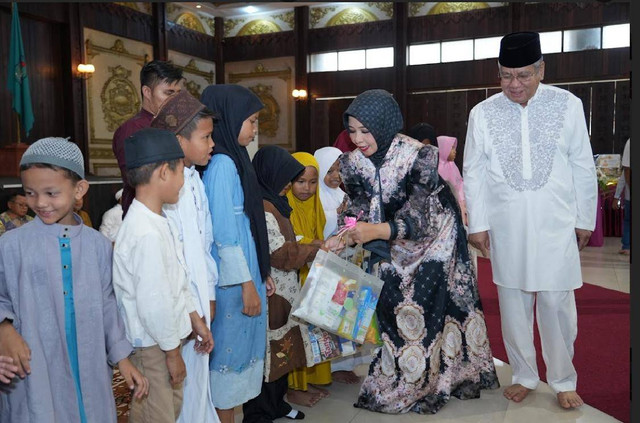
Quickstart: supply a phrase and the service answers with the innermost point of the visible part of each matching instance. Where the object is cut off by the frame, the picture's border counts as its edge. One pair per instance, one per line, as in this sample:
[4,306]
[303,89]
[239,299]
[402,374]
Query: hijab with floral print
[378,111]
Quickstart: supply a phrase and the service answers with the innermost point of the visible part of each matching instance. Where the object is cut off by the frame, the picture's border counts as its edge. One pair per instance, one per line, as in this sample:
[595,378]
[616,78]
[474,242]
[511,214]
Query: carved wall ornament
[287,17]
[230,24]
[352,15]
[457,6]
[385,7]
[269,116]
[211,23]
[118,49]
[119,98]
[317,13]
[191,21]
[415,6]
[172,7]
[193,88]
[259,26]
[192,68]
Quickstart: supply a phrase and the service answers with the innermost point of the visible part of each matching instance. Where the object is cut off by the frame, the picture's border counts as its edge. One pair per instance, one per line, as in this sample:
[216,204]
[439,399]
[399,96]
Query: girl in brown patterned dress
[429,311]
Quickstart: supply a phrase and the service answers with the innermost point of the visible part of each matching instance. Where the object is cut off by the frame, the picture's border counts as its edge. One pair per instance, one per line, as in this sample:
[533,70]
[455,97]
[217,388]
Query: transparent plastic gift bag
[338,296]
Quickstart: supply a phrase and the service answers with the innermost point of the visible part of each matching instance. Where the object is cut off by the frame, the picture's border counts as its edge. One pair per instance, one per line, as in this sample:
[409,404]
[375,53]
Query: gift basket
[338,296]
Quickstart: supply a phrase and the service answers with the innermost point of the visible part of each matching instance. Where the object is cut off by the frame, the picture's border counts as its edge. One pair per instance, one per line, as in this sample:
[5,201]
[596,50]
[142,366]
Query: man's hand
[583,236]
[271,286]
[212,310]
[175,364]
[14,346]
[134,379]
[480,240]
[250,299]
[204,339]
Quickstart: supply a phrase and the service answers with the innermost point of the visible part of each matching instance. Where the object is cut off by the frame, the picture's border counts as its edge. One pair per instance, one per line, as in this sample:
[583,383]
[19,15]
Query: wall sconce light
[85,70]
[299,94]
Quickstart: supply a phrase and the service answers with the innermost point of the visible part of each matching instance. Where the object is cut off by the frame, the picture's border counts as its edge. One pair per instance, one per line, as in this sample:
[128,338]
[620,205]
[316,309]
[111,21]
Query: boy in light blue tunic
[58,317]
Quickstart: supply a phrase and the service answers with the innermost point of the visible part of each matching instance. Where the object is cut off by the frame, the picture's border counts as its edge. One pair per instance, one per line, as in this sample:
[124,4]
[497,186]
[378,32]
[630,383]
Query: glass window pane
[380,57]
[486,48]
[324,62]
[349,60]
[422,54]
[581,39]
[551,42]
[616,36]
[456,51]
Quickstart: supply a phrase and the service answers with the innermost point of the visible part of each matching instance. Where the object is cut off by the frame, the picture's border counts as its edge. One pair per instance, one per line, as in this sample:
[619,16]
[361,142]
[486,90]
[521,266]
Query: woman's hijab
[233,104]
[275,168]
[447,169]
[307,216]
[380,114]
[331,198]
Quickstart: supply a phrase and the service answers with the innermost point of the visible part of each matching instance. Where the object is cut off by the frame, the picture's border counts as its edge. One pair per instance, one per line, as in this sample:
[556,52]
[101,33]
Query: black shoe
[298,416]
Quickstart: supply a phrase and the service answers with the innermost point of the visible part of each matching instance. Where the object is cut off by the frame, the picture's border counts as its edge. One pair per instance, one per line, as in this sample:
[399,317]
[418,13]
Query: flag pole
[18,123]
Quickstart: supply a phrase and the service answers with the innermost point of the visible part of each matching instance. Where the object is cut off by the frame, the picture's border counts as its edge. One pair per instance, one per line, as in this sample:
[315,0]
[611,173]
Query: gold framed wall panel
[198,73]
[272,80]
[113,92]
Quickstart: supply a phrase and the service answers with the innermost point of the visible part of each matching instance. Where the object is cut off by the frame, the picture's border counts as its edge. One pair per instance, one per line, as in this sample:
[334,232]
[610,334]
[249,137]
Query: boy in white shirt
[150,277]
[192,123]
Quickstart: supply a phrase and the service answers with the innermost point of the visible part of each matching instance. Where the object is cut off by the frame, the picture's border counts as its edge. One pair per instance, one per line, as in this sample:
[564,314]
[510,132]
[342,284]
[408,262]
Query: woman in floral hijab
[429,311]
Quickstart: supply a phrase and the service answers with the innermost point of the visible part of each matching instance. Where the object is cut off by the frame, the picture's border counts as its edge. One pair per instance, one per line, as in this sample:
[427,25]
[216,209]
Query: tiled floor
[601,266]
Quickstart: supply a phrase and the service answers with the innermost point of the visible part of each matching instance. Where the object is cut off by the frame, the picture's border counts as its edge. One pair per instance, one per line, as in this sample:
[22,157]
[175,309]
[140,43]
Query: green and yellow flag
[17,81]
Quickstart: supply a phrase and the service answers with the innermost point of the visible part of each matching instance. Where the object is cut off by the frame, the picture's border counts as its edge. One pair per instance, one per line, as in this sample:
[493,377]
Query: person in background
[16,213]
[423,132]
[158,80]
[288,344]
[626,223]
[59,321]
[112,219]
[77,207]
[449,171]
[343,142]
[308,220]
[333,201]
[531,192]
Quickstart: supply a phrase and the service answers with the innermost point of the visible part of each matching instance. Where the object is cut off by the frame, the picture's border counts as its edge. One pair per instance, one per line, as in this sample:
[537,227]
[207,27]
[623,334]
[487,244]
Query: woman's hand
[365,232]
[335,244]
[250,299]
[271,286]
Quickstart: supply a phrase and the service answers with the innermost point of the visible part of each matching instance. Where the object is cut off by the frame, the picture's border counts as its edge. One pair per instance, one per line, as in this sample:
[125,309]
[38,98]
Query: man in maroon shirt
[159,80]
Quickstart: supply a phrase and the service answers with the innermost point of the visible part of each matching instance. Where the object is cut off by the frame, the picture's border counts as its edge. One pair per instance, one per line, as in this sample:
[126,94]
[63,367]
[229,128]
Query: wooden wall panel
[540,16]
[255,47]
[602,102]
[622,116]
[583,92]
[354,36]
[490,22]
[346,83]
[42,45]
[118,20]
[190,42]
[326,121]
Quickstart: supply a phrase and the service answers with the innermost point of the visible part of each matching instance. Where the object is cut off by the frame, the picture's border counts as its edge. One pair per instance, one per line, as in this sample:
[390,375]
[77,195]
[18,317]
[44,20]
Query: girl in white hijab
[331,196]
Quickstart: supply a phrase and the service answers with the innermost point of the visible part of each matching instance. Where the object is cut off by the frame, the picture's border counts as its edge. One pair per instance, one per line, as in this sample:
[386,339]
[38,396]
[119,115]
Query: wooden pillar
[159,29]
[302,107]
[219,41]
[400,28]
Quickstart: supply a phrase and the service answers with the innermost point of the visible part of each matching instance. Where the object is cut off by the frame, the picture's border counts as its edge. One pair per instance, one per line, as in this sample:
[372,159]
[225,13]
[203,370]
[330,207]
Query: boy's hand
[135,380]
[13,346]
[175,364]
[7,369]
[204,339]
[250,299]
[271,286]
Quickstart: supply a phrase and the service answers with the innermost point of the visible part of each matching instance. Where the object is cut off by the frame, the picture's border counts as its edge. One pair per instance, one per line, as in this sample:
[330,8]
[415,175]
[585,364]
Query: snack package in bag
[373,334]
[339,297]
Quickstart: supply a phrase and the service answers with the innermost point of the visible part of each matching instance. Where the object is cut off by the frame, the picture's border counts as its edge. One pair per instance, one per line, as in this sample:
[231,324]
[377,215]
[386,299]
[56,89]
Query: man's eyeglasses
[522,77]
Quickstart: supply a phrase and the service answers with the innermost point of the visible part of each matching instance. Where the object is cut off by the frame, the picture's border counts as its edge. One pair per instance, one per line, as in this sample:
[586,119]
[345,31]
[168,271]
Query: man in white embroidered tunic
[531,193]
